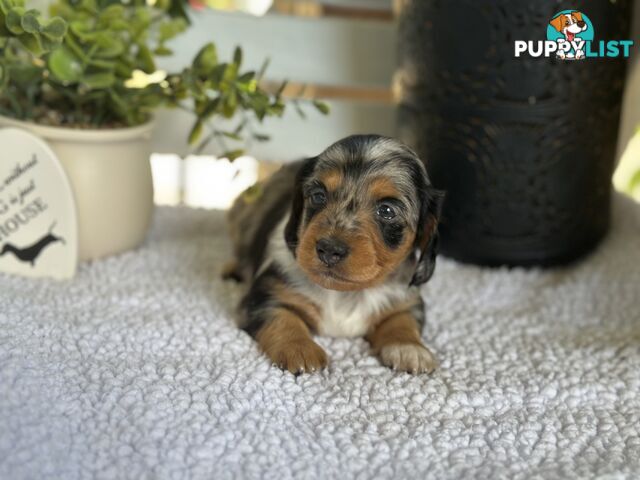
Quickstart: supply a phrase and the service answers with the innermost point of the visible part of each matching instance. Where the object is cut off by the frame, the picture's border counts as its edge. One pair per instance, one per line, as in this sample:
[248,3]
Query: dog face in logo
[569,25]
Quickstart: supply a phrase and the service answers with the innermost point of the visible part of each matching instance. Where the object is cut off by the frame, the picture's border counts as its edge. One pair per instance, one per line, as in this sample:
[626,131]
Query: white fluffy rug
[135,370]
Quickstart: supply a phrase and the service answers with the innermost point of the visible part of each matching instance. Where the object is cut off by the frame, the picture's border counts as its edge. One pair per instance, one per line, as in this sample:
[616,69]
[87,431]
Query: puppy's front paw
[303,356]
[408,357]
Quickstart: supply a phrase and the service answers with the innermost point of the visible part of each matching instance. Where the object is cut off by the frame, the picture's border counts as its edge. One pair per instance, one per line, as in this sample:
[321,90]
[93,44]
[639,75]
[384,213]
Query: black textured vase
[523,146]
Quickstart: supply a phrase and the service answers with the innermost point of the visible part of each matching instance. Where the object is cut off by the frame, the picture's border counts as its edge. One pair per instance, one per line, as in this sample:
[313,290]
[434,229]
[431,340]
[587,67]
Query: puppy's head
[360,209]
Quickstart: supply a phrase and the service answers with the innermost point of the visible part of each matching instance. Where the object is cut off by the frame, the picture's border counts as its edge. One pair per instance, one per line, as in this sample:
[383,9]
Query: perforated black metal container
[523,146]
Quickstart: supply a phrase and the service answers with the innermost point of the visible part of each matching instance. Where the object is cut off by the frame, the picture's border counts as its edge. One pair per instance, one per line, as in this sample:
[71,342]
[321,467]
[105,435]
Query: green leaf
[118,25]
[112,13]
[230,73]
[170,29]
[206,59]
[215,76]
[32,43]
[143,16]
[123,69]
[263,69]
[229,105]
[237,56]
[145,59]
[232,154]
[4,31]
[30,22]
[163,51]
[24,74]
[14,20]
[109,46]
[210,108]
[277,109]
[5,6]
[118,102]
[84,30]
[177,9]
[55,29]
[88,5]
[196,132]
[47,44]
[249,87]
[75,48]
[246,77]
[104,64]
[65,66]
[232,136]
[99,80]
[321,107]
[163,4]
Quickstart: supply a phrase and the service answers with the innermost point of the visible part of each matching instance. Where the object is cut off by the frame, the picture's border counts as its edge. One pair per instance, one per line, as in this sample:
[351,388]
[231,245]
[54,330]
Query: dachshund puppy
[337,245]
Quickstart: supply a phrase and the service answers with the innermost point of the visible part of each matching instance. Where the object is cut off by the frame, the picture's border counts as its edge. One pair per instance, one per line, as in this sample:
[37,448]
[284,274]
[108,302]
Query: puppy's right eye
[386,211]
[318,198]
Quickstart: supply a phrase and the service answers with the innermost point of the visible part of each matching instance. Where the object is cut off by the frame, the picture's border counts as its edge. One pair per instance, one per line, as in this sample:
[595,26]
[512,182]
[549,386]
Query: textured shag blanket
[134,370]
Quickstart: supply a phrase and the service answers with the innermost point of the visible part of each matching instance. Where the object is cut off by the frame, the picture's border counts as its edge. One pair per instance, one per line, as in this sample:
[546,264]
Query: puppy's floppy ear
[558,22]
[297,204]
[577,15]
[427,235]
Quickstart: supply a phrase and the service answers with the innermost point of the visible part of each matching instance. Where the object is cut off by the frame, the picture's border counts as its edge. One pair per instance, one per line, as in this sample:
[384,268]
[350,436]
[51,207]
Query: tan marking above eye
[332,179]
[382,187]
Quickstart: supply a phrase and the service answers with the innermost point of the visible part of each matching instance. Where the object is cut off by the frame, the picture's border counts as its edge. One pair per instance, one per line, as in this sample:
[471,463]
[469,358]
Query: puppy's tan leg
[287,342]
[396,340]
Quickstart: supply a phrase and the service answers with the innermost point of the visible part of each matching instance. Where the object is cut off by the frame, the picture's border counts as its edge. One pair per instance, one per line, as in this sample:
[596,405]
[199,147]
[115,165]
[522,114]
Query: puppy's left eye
[386,211]
[318,198]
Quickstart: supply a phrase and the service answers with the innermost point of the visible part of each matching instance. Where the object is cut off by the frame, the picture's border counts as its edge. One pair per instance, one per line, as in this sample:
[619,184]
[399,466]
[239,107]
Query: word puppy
[336,245]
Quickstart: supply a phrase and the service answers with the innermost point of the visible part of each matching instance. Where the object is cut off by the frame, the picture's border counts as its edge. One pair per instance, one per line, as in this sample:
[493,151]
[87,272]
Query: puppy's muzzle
[331,251]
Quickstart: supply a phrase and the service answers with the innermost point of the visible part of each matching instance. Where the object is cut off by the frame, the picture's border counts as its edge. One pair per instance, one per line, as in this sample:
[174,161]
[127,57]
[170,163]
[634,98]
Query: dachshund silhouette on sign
[31,253]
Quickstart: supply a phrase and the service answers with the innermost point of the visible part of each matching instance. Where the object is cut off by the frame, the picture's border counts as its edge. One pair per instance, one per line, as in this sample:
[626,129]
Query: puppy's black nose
[581,23]
[331,251]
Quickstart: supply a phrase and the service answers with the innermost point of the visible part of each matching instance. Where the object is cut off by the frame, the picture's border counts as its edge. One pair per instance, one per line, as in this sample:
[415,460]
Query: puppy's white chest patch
[349,314]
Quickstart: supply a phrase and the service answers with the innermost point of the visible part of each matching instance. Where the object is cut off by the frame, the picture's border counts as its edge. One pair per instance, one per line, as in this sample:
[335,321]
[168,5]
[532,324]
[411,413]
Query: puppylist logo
[570,36]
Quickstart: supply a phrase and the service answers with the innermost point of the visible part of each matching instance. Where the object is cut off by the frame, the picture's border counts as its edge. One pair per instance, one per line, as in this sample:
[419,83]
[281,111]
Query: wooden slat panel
[331,92]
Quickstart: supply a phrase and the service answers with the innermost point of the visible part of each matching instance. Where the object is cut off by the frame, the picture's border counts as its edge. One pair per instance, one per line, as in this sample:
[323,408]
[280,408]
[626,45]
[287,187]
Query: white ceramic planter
[110,174]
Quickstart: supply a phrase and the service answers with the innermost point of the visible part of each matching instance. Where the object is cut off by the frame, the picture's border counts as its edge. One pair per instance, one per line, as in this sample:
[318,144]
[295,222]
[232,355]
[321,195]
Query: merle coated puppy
[337,245]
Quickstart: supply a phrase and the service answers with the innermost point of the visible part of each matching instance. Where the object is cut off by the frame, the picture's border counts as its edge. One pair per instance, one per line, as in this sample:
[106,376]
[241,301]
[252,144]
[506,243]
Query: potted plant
[86,81]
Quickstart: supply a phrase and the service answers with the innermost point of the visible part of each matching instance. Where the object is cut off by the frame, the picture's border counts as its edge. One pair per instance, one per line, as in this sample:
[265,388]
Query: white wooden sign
[38,221]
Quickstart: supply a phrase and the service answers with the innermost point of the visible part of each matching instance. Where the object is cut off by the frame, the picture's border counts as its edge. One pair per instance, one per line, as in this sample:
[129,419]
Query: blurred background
[343,51]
